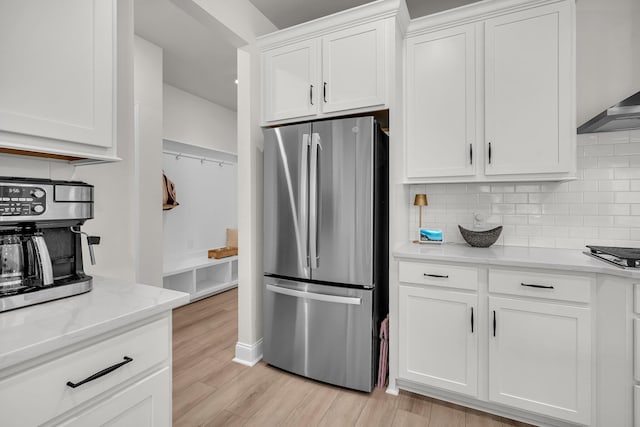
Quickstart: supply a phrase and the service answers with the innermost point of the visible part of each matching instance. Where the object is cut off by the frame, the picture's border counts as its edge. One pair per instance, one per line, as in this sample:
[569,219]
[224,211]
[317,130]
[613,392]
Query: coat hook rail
[202,159]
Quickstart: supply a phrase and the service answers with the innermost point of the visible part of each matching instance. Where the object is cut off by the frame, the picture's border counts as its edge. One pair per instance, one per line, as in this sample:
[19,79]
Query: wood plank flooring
[211,390]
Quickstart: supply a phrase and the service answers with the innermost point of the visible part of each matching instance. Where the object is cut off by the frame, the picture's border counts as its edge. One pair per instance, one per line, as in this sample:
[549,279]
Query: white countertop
[29,332]
[513,256]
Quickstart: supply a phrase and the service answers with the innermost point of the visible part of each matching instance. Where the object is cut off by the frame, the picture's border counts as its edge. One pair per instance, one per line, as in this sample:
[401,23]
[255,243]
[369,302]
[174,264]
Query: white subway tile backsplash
[598,150]
[583,186]
[628,197]
[598,197]
[602,206]
[587,139]
[621,137]
[516,198]
[598,221]
[569,220]
[620,185]
[542,219]
[583,209]
[625,149]
[504,208]
[598,174]
[614,209]
[528,209]
[583,232]
[613,162]
[613,233]
[627,173]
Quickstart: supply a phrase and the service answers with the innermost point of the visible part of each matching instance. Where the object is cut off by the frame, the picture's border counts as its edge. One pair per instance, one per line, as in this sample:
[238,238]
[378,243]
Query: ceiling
[199,60]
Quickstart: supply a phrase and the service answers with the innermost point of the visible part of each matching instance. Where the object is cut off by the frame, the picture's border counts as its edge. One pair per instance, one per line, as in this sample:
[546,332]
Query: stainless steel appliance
[326,249]
[620,257]
[625,115]
[40,240]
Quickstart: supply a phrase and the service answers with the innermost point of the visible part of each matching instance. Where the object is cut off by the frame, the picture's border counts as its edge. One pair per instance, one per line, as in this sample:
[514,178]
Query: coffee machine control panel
[22,200]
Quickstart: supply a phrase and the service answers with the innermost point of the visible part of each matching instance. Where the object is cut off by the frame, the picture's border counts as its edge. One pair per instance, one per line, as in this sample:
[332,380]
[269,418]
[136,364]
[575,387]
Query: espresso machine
[41,240]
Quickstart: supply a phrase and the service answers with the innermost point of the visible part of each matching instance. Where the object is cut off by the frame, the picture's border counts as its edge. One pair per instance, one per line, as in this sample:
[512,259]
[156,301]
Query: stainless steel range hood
[624,115]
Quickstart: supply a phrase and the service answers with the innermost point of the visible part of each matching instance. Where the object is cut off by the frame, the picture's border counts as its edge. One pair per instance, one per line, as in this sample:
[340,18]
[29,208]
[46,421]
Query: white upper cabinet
[353,68]
[291,81]
[496,81]
[336,65]
[441,103]
[528,92]
[57,78]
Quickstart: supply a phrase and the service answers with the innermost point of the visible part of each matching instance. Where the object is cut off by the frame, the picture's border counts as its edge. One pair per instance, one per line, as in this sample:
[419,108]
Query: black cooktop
[624,257]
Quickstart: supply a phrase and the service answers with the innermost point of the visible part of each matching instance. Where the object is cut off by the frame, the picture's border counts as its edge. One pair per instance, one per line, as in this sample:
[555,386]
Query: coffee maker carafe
[41,241]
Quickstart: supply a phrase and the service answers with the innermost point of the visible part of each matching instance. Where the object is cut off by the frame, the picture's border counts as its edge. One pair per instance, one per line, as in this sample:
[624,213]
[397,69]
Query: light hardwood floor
[211,390]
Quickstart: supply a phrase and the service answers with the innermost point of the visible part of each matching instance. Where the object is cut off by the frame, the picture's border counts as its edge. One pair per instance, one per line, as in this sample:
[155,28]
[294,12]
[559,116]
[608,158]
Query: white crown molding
[374,11]
[470,13]
[248,354]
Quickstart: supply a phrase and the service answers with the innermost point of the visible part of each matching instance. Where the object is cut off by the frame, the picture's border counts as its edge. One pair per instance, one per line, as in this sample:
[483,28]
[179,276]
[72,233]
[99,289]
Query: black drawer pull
[439,276]
[471,319]
[494,323]
[101,373]
[536,286]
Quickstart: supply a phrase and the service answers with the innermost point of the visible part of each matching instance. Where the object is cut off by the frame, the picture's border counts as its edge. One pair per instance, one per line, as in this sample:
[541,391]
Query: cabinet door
[57,73]
[530,127]
[353,68]
[439,338]
[540,358]
[290,87]
[441,96]
[145,403]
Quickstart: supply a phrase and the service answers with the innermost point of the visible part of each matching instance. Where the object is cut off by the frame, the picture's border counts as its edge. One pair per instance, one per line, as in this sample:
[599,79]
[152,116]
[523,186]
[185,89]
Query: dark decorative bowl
[480,239]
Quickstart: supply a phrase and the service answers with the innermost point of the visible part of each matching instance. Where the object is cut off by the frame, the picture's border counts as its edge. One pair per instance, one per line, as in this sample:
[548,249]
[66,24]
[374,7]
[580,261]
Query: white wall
[114,197]
[194,120]
[147,205]
[208,198]
[608,54]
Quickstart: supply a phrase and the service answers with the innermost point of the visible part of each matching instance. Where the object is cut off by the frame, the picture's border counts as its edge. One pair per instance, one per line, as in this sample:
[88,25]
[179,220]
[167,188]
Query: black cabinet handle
[489,153]
[311,94]
[470,154]
[471,319]
[101,373]
[494,323]
[324,92]
[436,275]
[537,286]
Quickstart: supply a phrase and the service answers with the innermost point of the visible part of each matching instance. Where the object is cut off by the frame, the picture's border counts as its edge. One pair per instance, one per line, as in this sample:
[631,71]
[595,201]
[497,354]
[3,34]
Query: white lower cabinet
[145,403]
[118,380]
[439,338]
[540,357]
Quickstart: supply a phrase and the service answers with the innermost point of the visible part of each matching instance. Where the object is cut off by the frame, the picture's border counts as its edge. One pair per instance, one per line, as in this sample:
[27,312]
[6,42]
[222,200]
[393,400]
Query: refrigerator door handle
[304,199]
[313,200]
[315,296]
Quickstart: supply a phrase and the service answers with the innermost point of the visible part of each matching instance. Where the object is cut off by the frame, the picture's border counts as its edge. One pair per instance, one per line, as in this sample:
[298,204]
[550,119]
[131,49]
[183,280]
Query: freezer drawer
[321,332]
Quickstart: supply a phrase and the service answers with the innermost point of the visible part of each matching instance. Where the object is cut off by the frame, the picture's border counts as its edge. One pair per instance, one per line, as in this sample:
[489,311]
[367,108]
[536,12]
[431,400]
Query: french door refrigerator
[326,249]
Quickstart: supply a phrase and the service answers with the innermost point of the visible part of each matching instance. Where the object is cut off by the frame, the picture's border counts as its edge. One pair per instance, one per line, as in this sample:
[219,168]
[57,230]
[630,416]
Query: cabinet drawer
[46,385]
[453,276]
[540,285]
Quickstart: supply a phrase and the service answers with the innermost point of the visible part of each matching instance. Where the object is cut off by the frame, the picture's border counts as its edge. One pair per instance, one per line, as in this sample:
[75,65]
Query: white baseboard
[248,354]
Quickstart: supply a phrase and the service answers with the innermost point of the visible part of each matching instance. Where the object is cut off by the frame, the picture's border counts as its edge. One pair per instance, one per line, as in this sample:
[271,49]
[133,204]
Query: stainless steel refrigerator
[326,249]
